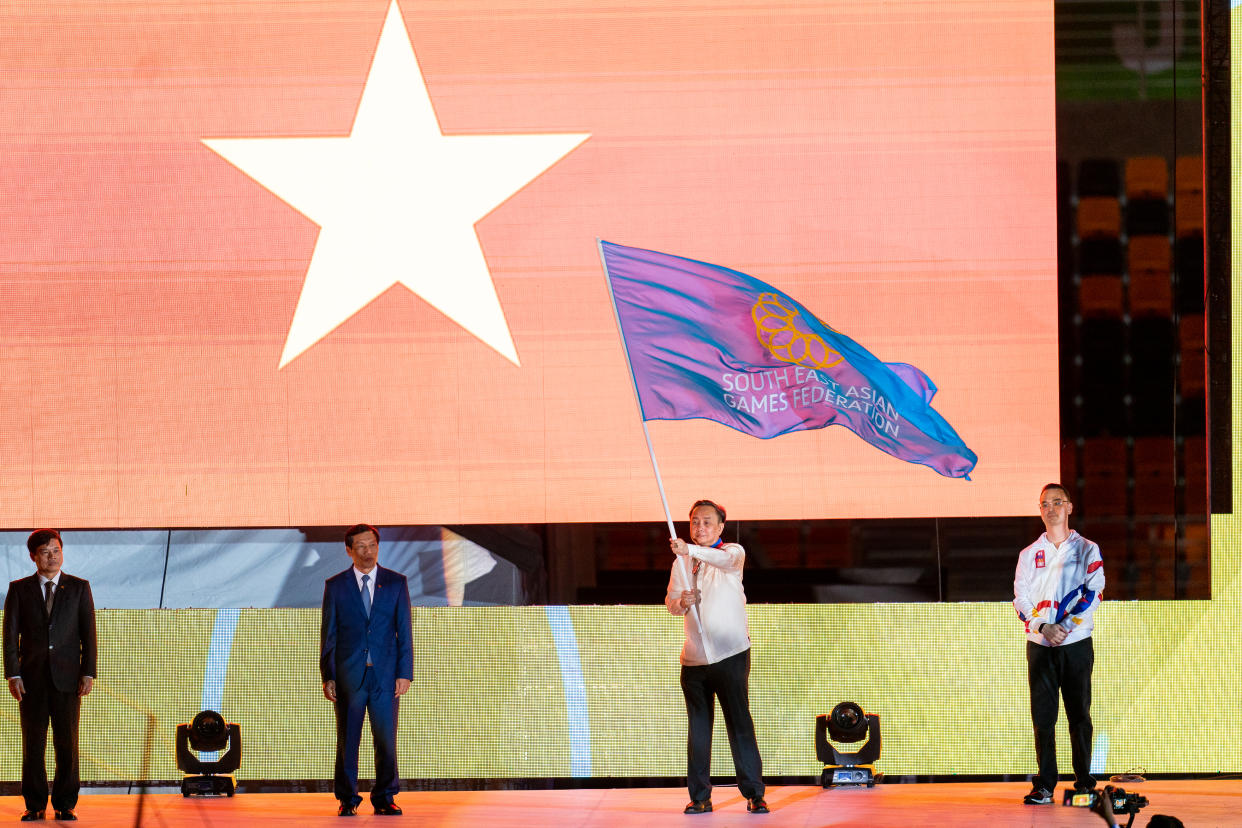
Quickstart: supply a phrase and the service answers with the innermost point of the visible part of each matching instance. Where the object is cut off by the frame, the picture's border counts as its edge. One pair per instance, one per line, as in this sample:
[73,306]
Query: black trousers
[728,680]
[1066,672]
[351,708]
[43,704]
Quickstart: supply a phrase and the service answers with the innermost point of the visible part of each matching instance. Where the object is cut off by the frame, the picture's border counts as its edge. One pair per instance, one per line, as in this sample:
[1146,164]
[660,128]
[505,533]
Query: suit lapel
[382,579]
[352,581]
[63,593]
[36,592]
[350,584]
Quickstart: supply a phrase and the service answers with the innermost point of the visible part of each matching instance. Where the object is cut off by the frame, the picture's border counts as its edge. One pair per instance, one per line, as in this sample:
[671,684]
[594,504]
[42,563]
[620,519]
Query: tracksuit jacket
[1059,585]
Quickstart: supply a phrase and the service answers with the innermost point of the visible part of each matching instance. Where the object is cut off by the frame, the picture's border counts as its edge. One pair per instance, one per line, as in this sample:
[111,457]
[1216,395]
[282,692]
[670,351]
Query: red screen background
[891,166]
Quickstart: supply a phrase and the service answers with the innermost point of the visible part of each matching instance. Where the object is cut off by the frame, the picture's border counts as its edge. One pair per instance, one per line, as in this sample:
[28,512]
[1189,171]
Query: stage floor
[1195,802]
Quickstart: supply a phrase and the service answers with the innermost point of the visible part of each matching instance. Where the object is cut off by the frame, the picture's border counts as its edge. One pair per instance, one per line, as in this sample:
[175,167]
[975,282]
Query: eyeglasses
[1050,504]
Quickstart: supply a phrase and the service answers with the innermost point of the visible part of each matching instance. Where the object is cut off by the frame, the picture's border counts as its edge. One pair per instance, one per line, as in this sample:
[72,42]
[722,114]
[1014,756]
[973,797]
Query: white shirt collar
[371,579]
[55,579]
[1056,546]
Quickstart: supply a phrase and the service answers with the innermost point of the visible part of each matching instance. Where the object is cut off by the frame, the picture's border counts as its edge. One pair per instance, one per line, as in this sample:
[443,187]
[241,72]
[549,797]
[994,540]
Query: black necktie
[47,597]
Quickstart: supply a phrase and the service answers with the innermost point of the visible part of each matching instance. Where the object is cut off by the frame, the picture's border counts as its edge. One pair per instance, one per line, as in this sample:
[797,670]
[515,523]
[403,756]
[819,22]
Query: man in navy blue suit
[366,661]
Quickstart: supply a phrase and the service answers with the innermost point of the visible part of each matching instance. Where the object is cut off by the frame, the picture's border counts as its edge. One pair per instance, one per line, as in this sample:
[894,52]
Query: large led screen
[593,691]
[291,264]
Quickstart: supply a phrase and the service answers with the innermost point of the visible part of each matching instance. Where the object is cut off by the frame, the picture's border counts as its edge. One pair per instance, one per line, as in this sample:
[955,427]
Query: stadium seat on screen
[1100,296]
[1069,467]
[1147,216]
[624,586]
[1147,177]
[1103,351]
[1110,534]
[1196,552]
[1188,209]
[1188,174]
[1188,265]
[1191,332]
[1152,411]
[1104,476]
[1192,417]
[1152,376]
[1152,345]
[1196,535]
[1065,224]
[1191,370]
[1098,177]
[1153,254]
[1099,257]
[1104,455]
[828,544]
[1103,364]
[1099,218]
[626,547]
[1069,405]
[1151,294]
[1195,474]
[778,546]
[1151,286]
[1155,479]
[1155,552]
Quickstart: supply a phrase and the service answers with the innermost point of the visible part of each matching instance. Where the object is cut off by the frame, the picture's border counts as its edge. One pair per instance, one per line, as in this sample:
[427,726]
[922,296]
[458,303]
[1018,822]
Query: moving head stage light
[208,732]
[848,724]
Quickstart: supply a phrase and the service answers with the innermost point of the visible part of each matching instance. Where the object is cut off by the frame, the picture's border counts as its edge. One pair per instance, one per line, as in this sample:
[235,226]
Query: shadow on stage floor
[960,805]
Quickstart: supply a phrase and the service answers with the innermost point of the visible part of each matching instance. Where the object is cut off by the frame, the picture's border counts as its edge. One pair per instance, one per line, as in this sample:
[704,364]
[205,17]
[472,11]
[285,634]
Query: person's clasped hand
[1055,633]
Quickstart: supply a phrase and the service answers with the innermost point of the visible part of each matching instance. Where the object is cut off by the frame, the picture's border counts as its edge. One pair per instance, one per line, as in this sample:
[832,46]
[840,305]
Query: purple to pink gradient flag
[712,343]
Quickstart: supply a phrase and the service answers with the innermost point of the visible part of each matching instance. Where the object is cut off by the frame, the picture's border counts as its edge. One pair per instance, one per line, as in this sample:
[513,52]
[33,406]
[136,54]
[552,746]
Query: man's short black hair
[720,510]
[1164,821]
[1048,486]
[358,529]
[41,536]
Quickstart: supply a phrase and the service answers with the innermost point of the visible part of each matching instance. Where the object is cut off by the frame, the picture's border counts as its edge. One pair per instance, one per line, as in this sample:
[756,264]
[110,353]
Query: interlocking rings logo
[783,332]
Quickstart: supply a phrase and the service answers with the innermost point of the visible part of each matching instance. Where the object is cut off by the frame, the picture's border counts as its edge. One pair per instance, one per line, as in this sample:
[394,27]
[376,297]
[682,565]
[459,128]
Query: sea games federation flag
[707,342]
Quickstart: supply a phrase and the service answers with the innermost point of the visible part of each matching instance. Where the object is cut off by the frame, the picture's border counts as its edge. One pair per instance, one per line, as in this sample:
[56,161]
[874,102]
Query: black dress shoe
[66,815]
[699,806]
[31,816]
[388,809]
[757,805]
[347,809]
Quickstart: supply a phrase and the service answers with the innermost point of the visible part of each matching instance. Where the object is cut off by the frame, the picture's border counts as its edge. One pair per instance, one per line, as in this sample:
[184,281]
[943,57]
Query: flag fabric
[707,342]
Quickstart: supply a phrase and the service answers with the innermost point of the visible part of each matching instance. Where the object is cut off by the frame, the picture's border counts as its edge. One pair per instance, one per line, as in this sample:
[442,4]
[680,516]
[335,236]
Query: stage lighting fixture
[208,732]
[848,723]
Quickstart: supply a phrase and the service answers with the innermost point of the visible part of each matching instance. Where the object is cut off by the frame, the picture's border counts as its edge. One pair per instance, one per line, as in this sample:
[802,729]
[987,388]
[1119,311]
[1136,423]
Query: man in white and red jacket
[1056,588]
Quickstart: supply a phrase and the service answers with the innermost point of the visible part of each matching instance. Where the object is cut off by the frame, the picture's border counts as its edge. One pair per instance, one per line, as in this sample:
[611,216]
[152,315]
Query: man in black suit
[366,661]
[49,661]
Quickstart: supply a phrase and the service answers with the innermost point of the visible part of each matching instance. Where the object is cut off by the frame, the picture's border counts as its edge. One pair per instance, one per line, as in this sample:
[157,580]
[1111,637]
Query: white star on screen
[396,201]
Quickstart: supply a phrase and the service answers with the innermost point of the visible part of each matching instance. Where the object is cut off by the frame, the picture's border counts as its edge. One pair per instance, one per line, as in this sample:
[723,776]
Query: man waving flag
[707,342]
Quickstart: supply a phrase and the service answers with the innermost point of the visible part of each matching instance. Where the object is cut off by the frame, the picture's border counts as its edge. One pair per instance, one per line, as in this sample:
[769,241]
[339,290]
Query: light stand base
[849,776]
[211,785]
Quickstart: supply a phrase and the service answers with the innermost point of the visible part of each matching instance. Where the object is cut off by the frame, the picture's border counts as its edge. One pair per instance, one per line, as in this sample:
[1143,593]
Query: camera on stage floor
[1121,801]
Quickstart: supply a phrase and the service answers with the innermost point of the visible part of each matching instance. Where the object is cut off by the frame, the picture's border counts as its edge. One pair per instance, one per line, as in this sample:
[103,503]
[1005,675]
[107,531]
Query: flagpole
[682,562]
